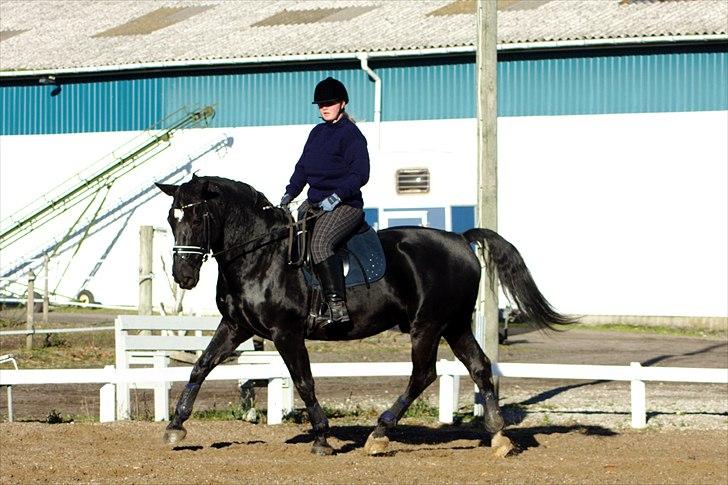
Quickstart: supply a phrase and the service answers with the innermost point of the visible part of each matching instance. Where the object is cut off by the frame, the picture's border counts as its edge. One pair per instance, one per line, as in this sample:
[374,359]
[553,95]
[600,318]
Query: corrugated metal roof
[62,34]
[156,20]
[312,15]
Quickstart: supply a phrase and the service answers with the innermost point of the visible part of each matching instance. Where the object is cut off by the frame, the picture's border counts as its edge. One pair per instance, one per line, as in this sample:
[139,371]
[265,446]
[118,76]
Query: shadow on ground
[429,438]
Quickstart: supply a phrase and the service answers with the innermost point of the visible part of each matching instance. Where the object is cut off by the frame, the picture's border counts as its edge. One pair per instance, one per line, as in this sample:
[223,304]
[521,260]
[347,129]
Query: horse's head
[194,225]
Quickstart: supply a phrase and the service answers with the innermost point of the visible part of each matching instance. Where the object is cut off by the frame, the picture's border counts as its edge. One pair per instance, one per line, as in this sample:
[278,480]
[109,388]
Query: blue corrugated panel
[251,99]
[641,83]
[266,98]
[78,108]
[561,86]
[411,90]
[429,91]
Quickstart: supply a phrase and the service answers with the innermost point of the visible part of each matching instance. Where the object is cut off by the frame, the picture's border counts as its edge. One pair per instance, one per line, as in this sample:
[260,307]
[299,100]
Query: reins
[290,230]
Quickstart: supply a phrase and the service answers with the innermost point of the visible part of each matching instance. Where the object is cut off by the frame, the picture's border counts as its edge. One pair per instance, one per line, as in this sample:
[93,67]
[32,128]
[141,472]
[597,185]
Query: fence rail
[449,372]
[54,330]
[72,303]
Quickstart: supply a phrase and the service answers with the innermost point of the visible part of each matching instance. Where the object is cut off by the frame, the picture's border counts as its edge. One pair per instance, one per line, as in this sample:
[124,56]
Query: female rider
[335,165]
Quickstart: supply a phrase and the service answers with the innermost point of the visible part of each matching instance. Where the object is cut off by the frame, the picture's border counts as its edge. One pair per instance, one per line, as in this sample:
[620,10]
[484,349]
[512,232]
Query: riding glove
[330,202]
[285,200]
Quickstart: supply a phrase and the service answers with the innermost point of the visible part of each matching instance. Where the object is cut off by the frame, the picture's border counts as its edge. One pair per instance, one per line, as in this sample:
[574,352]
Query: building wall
[600,82]
[603,187]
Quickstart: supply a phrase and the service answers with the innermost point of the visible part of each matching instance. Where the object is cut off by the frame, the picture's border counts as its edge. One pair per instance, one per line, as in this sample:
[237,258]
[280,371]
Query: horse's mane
[240,191]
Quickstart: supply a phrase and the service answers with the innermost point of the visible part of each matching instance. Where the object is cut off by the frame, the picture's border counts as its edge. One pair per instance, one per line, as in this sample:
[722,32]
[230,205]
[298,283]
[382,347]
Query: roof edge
[355,56]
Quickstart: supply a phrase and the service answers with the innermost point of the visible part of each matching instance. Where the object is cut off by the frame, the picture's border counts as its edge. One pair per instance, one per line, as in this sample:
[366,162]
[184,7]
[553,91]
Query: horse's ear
[168,189]
[210,191]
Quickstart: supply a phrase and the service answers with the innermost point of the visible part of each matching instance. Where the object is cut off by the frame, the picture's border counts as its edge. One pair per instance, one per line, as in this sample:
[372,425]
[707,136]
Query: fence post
[10,404]
[287,388]
[637,388]
[146,239]
[107,400]
[449,393]
[275,400]
[479,330]
[30,323]
[122,364]
[446,399]
[161,389]
[46,297]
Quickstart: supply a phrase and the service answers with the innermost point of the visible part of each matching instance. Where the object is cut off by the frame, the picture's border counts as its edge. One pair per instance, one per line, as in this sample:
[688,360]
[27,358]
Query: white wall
[620,214]
[614,214]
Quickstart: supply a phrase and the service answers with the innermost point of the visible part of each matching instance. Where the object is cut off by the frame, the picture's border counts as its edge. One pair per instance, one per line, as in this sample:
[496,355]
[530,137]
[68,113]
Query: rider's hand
[330,202]
[285,201]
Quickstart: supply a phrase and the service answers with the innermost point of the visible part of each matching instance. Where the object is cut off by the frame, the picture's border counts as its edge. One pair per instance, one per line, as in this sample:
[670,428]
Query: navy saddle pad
[367,249]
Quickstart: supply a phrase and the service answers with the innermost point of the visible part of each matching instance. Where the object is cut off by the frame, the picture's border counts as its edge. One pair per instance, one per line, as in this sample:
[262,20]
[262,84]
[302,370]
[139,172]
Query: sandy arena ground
[565,431]
[236,452]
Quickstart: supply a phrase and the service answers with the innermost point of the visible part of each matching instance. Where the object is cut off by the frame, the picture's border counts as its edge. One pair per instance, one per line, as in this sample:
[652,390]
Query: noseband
[204,251]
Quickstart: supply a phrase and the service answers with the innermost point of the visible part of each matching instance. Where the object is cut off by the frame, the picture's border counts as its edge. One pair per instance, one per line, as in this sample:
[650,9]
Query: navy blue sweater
[334,160]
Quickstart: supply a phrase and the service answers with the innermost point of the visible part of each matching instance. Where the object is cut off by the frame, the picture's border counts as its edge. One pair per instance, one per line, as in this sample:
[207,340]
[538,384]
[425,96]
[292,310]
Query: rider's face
[332,110]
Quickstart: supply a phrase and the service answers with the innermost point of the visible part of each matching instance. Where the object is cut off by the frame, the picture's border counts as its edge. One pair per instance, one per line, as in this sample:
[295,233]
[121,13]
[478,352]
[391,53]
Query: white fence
[148,340]
[449,372]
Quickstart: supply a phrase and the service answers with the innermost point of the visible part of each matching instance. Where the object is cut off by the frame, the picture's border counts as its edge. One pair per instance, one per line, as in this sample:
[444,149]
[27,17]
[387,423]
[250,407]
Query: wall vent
[413,181]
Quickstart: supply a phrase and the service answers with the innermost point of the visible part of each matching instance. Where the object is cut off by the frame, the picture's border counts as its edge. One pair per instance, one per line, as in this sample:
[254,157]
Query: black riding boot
[331,275]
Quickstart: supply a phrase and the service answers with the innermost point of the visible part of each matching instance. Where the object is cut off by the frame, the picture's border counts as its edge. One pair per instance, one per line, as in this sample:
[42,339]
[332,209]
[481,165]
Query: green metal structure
[80,188]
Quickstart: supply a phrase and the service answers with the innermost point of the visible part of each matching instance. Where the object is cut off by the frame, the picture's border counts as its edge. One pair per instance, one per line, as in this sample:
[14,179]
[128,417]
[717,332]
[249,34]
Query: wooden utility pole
[29,320]
[146,241]
[487,212]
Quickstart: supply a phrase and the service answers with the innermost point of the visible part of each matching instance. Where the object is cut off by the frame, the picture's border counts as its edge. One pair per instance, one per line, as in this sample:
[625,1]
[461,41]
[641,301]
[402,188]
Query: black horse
[429,290]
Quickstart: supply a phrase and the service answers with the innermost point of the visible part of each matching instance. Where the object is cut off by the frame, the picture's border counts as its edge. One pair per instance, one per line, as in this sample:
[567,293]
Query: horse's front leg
[226,339]
[295,355]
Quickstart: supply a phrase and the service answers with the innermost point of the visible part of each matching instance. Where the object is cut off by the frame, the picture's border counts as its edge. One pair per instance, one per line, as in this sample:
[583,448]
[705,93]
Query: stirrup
[335,313]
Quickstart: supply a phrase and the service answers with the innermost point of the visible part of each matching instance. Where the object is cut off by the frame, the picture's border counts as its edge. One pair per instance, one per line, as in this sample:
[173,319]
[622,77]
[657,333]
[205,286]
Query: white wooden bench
[148,341]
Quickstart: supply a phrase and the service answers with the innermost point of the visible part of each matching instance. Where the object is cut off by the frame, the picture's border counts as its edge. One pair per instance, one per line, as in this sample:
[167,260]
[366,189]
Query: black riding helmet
[330,90]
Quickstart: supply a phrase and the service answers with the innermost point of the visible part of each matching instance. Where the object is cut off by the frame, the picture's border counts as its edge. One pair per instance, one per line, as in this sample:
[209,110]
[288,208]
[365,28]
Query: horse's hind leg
[226,339]
[424,373]
[468,351]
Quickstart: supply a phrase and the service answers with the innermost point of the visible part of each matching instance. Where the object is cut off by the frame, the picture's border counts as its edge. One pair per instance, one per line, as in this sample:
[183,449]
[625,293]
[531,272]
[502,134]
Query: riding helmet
[329,90]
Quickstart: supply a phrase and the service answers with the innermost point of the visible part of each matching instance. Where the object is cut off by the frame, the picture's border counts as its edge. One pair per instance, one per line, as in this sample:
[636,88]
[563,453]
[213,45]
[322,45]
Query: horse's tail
[516,279]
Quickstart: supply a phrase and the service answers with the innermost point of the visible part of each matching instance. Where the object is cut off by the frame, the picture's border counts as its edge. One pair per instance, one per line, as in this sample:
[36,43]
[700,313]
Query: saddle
[362,256]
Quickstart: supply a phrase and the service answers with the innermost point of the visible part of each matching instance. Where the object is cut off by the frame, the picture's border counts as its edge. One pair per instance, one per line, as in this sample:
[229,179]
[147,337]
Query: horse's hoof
[174,436]
[502,445]
[495,424]
[322,450]
[376,446]
[494,421]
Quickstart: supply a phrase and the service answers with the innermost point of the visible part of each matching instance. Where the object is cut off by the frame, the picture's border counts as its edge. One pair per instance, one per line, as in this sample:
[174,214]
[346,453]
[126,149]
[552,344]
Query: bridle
[204,250]
[289,230]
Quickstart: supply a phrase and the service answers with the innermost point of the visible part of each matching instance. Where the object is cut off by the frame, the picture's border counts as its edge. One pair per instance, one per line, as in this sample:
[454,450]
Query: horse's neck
[243,225]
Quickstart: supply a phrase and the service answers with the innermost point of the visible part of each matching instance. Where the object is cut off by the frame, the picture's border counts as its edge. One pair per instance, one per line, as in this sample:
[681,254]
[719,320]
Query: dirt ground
[237,452]
[565,431]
